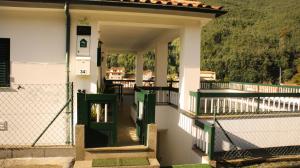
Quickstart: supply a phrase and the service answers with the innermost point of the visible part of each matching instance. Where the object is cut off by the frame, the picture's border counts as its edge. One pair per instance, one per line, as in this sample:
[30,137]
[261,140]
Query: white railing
[214,85]
[248,104]
[174,99]
[202,140]
[250,87]
[230,103]
[164,95]
[193,102]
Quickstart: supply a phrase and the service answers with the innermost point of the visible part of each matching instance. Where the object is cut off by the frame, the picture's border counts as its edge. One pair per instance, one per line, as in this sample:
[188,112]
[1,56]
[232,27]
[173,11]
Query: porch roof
[176,5]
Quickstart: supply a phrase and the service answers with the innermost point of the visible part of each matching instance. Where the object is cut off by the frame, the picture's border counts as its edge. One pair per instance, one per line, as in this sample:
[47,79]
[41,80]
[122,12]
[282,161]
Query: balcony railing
[250,87]
[244,120]
[204,138]
[210,103]
[131,83]
[164,95]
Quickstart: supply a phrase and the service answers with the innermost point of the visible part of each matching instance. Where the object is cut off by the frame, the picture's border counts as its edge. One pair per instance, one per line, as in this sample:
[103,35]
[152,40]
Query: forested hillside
[253,41]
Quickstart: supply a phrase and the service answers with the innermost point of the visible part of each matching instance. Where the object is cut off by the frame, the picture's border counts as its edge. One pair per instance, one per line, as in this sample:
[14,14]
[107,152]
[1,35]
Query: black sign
[83,43]
[83,30]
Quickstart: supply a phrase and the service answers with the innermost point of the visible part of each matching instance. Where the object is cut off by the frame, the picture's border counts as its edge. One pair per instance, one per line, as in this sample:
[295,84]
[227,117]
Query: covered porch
[137,33]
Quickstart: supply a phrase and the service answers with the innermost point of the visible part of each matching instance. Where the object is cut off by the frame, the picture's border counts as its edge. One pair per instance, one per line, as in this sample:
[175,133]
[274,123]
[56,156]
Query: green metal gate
[98,112]
[145,113]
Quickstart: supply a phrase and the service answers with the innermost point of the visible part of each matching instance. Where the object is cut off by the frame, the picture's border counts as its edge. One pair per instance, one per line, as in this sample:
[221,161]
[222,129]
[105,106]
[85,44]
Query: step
[153,163]
[118,148]
[118,152]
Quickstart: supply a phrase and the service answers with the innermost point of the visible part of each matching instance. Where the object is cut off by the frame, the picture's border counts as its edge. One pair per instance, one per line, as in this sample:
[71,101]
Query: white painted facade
[38,55]
[38,43]
[176,137]
[258,133]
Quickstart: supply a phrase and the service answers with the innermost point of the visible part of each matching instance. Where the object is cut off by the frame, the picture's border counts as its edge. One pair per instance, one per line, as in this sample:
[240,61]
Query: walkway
[126,128]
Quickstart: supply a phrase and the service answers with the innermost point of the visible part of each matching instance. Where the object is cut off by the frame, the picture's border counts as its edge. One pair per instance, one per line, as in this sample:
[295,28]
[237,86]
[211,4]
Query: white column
[189,68]
[139,63]
[94,70]
[161,64]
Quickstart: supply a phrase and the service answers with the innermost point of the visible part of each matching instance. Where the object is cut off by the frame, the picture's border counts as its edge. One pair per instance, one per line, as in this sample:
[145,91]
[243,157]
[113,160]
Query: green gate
[98,112]
[145,113]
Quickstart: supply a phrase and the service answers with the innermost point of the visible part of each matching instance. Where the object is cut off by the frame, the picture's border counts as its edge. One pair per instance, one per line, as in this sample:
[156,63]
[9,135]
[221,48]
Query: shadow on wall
[175,143]
[256,133]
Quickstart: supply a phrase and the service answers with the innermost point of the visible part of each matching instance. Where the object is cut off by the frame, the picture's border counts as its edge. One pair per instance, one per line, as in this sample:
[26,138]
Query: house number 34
[82,71]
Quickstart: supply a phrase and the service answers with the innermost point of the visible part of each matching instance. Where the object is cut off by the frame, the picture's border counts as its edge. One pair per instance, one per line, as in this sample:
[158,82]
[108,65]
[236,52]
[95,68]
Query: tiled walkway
[126,128]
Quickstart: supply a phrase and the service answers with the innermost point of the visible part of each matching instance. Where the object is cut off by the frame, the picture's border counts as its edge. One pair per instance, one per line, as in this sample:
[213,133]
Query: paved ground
[126,128]
[47,162]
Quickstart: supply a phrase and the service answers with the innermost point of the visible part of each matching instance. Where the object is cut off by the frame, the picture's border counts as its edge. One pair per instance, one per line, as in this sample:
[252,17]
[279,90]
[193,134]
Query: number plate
[3,125]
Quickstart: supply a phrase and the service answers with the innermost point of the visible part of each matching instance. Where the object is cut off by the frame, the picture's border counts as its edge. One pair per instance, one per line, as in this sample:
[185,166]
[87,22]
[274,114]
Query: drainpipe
[68,22]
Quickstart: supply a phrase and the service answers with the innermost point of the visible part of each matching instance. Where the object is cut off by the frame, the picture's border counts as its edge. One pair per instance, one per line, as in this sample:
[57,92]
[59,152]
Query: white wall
[37,44]
[38,59]
[258,133]
[176,137]
[29,110]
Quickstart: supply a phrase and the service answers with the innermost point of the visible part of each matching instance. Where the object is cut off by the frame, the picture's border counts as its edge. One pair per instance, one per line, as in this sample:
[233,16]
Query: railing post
[152,139]
[170,87]
[72,115]
[80,142]
[258,102]
[211,141]
[197,103]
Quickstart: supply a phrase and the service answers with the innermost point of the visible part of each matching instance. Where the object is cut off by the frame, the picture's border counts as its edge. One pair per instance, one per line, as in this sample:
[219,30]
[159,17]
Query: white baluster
[105,113]
[205,105]
[230,105]
[224,104]
[218,105]
[212,106]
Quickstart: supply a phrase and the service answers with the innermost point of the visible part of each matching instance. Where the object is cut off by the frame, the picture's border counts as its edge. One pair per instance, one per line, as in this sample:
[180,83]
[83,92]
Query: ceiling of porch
[129,38]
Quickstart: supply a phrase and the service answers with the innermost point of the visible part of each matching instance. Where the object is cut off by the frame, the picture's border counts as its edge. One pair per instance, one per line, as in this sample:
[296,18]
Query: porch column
[189,68]
[161,64]
[139,64]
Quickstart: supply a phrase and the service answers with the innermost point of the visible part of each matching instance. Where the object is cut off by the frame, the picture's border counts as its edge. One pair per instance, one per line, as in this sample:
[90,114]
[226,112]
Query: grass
[190,166]
[134,161]
[105,162]
[120,162]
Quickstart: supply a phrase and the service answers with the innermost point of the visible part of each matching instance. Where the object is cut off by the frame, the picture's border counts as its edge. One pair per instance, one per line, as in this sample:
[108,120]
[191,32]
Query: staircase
[84,156]
[118,152]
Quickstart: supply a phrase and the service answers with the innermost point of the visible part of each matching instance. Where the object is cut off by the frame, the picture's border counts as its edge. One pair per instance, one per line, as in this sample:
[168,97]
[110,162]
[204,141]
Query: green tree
[253,40]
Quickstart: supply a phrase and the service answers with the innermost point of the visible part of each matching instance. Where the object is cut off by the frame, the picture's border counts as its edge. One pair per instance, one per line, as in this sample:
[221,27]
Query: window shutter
[4,62]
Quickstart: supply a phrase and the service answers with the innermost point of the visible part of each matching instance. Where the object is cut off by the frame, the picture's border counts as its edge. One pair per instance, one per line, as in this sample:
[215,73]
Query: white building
[207,76]
[51,43]
[116,73]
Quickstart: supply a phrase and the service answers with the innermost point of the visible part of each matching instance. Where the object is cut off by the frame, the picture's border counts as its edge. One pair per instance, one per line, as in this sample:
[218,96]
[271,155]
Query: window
[4,62]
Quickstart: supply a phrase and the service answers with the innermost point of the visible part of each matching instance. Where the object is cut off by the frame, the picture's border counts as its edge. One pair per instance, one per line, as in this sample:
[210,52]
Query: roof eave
[125,4]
